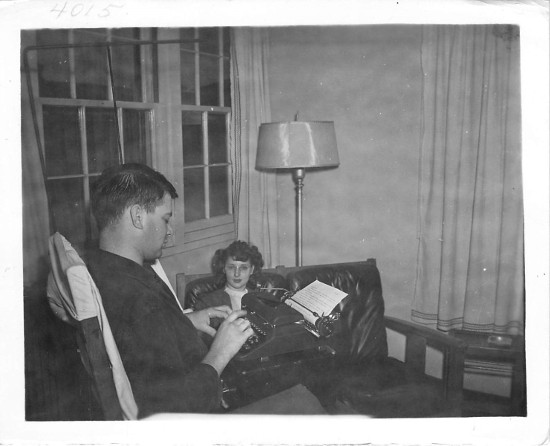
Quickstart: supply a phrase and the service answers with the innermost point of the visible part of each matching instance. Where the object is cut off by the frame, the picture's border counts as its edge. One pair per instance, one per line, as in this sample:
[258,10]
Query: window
[206,166]
[105,96]
[205,92]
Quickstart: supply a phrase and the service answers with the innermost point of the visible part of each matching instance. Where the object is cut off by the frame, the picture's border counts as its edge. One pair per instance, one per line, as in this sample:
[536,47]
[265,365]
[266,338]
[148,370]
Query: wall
[194,261]
[367,80]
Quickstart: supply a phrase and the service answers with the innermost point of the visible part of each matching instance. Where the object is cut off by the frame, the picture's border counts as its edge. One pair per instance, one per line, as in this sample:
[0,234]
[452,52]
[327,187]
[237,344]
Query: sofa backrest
[270,282]
[184,279]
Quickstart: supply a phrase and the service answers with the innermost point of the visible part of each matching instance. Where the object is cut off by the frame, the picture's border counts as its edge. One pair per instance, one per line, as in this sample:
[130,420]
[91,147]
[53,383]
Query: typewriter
[277,328]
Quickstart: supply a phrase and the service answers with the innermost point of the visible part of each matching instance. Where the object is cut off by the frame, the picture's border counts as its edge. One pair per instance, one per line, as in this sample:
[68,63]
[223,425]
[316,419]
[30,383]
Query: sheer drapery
[470,269]
[254,192]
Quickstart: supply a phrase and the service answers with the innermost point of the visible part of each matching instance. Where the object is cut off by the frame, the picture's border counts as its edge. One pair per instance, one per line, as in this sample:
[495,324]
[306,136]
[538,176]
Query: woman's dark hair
[240,251]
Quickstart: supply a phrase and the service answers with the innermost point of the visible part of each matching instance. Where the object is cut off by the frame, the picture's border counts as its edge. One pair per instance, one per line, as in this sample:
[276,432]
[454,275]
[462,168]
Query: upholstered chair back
[75,299]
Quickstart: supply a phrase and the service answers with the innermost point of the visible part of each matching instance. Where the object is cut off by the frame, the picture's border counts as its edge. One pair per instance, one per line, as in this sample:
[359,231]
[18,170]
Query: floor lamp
[297,146]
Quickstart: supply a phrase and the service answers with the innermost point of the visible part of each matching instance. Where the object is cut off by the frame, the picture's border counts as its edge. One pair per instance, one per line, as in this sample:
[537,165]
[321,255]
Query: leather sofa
[363,378]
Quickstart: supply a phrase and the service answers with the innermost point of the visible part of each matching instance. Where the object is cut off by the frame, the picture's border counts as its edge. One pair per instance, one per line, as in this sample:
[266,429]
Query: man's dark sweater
[160,348]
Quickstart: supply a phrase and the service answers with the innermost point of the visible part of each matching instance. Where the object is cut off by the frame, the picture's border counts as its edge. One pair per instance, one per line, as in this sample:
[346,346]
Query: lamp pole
[298,176]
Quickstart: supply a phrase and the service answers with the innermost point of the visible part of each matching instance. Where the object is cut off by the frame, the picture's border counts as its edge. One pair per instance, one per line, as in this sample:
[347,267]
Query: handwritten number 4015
[80,9]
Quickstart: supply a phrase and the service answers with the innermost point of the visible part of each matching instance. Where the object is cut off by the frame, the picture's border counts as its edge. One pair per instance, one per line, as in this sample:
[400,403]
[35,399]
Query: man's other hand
[201,319]
[232,334]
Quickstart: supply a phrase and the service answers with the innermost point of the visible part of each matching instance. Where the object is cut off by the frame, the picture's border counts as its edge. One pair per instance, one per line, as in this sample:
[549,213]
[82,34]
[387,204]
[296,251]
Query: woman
[235,264]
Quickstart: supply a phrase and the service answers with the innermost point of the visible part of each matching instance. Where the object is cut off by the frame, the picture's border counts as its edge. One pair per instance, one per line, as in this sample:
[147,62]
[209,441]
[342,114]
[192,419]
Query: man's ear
[136,215]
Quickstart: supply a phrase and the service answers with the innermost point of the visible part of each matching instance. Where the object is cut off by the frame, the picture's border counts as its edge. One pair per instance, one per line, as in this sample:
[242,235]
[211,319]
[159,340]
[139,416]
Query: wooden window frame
[164,119]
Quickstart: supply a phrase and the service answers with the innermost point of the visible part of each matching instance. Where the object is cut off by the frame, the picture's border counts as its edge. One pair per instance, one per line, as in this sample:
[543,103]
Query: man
[169,367]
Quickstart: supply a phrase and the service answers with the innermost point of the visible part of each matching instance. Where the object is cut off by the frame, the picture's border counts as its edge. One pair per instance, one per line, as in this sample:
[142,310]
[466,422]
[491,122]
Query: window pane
[187,62]
[217,147]
[226,83]
[192,138]
[209,80]
[187,34]
[91,65]
[193,193]
[219,200]
[155,68]
[62,140]
[226,41]
[102,138]
[126,65]
[53,65]
[208,40]
[67,205]
[136,135]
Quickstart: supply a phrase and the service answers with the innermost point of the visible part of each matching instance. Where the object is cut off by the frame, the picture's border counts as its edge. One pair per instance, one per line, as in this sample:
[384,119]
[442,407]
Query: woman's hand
[201,319]
[231,335]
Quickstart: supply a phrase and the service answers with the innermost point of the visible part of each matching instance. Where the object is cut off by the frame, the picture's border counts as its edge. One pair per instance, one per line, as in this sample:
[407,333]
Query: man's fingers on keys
[209,330]
[235,315]
[243,323]
[222,311]
[224,308]
[248,332]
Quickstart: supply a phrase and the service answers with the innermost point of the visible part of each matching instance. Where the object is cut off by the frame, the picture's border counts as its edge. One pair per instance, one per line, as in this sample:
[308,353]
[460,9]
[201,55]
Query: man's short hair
[119,187]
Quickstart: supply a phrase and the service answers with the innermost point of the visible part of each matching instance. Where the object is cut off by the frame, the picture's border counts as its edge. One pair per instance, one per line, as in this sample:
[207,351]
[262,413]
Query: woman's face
[237,273]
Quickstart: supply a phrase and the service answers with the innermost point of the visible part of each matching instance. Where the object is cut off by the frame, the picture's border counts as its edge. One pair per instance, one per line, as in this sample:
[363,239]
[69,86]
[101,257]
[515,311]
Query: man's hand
[201,319]
[231,335]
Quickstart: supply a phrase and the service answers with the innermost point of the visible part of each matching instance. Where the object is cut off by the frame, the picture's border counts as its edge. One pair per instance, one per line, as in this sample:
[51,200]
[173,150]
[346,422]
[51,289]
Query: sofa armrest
[418,338]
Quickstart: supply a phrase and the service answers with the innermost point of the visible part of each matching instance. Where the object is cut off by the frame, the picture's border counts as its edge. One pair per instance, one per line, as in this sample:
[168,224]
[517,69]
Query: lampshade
[295,144]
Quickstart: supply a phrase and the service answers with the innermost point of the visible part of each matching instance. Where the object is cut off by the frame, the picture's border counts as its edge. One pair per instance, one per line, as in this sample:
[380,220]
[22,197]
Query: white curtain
[470,269]
[255,193]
